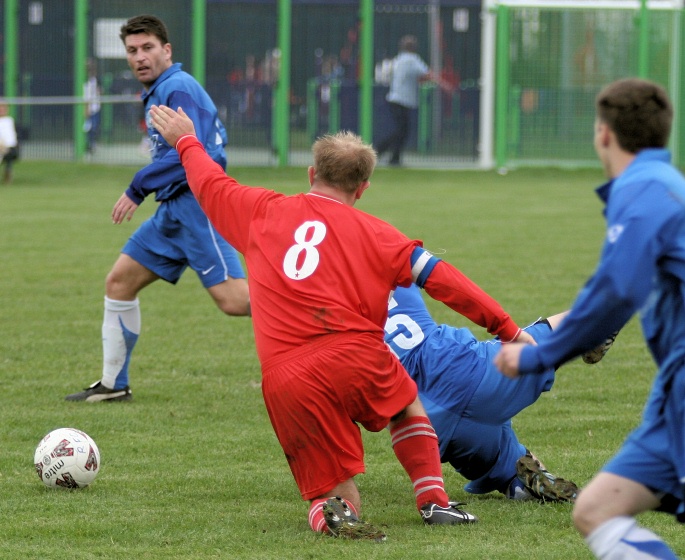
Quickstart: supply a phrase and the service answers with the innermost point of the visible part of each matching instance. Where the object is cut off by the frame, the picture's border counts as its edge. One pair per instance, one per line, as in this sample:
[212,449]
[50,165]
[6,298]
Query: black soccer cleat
[596,354]
[542,484]
[433,514]
[97,392]
[344,524]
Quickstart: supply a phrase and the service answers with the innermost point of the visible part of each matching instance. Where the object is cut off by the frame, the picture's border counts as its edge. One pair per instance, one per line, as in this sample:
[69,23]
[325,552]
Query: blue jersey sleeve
[622,281]
[165,176]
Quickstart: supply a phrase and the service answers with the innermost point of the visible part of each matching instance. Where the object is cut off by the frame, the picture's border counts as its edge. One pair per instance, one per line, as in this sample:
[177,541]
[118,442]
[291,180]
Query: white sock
[621,538]
[120,330]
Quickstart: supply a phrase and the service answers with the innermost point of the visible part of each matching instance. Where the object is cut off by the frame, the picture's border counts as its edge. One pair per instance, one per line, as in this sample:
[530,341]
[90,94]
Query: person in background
[9,145]
[91,93]
[408,70]
[641,269]
[178,235]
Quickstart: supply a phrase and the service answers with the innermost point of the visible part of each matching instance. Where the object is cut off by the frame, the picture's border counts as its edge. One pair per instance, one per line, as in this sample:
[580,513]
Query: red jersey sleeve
[228,204]
[463,295]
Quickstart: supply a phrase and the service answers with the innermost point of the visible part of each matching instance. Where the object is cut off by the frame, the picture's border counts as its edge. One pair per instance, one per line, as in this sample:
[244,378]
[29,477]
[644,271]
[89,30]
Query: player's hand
[123,209]
[507,361]
[171,124]
[526,338]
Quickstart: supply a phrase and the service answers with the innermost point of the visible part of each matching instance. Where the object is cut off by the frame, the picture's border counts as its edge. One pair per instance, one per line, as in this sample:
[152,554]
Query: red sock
[416,446]
[316,520]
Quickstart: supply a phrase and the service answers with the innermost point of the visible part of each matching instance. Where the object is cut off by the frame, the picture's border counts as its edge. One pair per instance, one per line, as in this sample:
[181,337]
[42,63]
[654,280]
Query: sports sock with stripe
[416,446]
[120,330]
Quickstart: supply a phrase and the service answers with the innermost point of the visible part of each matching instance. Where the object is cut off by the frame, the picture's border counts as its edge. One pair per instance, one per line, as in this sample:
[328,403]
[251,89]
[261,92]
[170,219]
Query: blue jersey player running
[469,402]
[641,269]
[178,235]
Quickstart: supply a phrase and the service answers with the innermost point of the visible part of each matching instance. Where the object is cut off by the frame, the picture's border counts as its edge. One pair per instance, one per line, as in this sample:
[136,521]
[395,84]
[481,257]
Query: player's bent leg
[232,297]
[120,330]
[609,495]
[415,444]
[604,515]
[127,278]
[339,516]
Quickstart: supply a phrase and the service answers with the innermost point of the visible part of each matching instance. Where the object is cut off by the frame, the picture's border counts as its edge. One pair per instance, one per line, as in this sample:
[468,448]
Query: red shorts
[318,395]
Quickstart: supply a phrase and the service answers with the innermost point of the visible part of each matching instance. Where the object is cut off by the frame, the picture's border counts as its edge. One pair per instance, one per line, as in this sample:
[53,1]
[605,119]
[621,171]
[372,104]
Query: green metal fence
[281,72]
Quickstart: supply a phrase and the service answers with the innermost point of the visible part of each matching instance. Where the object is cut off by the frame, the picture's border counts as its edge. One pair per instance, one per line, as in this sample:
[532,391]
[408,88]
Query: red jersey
[315,266]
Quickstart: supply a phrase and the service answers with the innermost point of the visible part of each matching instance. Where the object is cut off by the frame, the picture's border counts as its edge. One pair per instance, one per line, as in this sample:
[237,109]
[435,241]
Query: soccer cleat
[595,355]
[517,491]
[344,524]
[98,392]
[542,484]
[433,514]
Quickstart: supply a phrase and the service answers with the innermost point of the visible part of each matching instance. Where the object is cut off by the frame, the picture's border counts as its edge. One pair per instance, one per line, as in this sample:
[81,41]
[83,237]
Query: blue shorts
[481,444]
[652,454]
[179,235]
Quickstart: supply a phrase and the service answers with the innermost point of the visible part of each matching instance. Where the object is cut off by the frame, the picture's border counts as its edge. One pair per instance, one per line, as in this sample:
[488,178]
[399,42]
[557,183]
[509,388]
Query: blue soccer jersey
[430,352]
[642,268]
[468,401]
[165,176]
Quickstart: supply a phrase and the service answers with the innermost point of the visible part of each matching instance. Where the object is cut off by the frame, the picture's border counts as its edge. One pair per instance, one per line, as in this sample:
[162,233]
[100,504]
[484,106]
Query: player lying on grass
[469,402]
[320,275]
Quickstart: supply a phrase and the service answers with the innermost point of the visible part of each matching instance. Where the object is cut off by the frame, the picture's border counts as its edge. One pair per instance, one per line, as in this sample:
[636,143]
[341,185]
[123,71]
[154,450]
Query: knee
[236,301]
[586,515]
[115,285]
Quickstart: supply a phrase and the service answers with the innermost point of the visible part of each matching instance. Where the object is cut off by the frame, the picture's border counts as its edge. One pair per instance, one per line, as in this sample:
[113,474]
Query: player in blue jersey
[641,268]
[470,404]
[178,235]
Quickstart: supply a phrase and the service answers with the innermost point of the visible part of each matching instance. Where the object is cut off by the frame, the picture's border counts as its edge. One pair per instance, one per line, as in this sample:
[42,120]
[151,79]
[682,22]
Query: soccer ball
[67,458]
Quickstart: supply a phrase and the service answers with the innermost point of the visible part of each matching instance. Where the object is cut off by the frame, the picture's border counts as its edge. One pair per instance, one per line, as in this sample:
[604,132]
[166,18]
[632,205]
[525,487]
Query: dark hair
[343,160]
[638,111]
[409,43]
[150,25]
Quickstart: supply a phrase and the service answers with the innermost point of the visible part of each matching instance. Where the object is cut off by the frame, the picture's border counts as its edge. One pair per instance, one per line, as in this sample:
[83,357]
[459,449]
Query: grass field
[191,468]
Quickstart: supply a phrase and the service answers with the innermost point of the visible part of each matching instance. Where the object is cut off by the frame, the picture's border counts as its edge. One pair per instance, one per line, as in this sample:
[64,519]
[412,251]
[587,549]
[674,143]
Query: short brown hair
[638,111]
[343,160]
[409,43]
[145,23]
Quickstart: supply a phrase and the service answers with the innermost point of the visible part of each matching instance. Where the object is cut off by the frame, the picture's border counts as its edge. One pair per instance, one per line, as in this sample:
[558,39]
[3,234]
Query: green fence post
[11,28]
[281,117]
[425,116]
[312,109]
[643,41]
[199,40]
[366,12]
[334,107]
[80,47]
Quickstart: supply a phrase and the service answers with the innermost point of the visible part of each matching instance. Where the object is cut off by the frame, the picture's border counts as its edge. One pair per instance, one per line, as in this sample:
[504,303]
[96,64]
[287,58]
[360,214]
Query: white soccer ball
[67,458]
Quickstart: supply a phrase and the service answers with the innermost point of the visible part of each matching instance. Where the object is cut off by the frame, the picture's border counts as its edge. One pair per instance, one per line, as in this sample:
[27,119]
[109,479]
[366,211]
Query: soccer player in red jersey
[320,276]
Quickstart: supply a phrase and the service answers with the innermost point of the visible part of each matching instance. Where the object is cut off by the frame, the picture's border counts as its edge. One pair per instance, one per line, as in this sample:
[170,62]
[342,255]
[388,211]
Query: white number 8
[311,257]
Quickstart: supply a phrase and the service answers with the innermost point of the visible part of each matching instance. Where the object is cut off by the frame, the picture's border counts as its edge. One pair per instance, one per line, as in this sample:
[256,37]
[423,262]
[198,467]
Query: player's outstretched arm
[172,125]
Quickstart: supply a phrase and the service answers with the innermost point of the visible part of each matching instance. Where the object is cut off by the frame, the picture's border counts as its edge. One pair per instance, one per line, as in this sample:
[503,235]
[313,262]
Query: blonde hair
[343,160]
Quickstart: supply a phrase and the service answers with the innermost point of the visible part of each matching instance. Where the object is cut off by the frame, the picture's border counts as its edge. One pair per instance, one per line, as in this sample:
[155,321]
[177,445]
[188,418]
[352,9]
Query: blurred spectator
[9,147]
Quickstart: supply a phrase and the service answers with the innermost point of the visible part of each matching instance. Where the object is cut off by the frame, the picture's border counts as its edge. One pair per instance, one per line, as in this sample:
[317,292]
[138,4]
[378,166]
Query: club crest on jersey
[614,232]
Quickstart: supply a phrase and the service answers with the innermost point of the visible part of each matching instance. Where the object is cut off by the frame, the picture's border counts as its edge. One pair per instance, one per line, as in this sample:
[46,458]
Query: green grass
[191,468]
